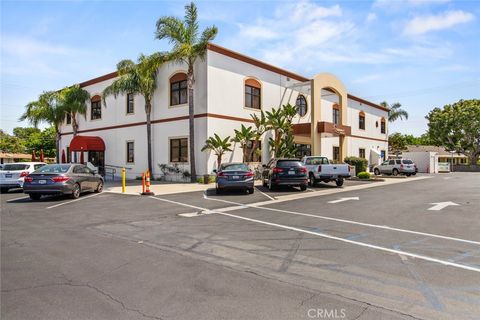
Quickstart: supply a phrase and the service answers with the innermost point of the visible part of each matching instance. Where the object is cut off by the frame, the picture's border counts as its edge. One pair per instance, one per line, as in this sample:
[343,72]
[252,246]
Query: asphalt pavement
[366,251]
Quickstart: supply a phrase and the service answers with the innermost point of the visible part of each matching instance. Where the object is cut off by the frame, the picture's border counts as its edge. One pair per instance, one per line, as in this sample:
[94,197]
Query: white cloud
[392,4]
[368,78]
[423,24]
[371,17]
[28,47]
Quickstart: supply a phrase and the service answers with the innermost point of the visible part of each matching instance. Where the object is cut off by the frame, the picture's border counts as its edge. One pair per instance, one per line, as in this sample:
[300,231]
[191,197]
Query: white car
[12,175]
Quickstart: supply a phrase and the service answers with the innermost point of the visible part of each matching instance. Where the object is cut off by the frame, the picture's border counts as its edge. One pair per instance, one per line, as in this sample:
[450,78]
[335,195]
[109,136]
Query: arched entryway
[94,147]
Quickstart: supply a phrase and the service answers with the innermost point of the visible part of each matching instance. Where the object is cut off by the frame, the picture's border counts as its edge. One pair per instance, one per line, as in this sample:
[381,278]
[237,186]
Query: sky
[423,54]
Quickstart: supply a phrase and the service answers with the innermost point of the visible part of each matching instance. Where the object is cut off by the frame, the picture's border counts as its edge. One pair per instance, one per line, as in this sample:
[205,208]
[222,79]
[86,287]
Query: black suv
[285,172]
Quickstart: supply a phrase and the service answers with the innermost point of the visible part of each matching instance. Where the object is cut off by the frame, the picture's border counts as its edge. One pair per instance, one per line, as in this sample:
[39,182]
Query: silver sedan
[58,179]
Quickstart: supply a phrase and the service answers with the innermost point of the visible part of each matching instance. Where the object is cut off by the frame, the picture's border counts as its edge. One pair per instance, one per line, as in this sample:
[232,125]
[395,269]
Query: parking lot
[402,249]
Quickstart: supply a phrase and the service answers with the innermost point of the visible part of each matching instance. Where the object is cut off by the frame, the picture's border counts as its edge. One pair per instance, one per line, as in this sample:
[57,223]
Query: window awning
[87,143]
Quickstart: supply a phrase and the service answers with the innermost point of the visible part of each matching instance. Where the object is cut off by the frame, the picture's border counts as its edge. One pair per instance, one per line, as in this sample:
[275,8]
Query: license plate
[8,175]
[235,177]
[42,181]
[291,172]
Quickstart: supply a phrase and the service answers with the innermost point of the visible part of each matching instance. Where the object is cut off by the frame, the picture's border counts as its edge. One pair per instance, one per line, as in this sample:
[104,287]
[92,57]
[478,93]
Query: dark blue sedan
[234,176]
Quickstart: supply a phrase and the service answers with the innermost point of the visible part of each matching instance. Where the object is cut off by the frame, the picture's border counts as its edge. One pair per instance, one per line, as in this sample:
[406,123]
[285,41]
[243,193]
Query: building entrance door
[97,158]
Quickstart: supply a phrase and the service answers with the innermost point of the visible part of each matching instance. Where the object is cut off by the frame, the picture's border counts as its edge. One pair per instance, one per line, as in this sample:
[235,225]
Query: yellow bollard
[123,180]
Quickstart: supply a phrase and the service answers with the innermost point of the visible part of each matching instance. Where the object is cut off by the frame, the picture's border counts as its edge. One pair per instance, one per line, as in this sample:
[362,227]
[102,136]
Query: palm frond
[191,23]
[170,28]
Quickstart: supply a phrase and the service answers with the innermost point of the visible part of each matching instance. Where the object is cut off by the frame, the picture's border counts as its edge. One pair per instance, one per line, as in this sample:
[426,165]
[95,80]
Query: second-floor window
[96,108]
[382,126]
[301,105]
[178,89]
[336,115]
[130,103]
[253,94]
[361,120]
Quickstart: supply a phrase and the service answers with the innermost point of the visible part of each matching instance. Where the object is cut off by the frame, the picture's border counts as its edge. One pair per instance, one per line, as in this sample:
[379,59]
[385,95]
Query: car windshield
[53,168]
[15,167]
[407,162]
[234,167]
[289,163]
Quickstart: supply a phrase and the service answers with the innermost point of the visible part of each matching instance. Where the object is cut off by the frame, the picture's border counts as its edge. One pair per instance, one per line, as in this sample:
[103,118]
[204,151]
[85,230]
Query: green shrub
[364,175]
[360,164]
[200,180]
[138,178]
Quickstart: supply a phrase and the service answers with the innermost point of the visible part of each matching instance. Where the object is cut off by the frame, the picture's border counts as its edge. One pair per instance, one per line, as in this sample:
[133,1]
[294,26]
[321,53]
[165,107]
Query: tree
[397,143]
[11,144]
[74,100]
[243,137]
[260,123]
[188,46]
[218,145]
[457,127]
[280,121]
[46,109]
[139,78]
[25,133]
[396,112]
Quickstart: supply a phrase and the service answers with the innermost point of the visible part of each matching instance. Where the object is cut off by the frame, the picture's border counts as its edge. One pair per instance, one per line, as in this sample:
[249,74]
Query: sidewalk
[135,187]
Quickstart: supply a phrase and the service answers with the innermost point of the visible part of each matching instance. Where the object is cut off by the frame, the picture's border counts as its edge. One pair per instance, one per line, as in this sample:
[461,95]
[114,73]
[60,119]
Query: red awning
[87,143]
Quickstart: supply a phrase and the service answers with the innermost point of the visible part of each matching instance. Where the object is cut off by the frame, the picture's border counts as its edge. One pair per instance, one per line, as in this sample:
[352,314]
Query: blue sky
[420,53]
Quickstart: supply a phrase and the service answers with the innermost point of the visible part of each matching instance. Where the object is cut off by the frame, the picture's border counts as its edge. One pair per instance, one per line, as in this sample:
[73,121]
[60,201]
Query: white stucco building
[228,88]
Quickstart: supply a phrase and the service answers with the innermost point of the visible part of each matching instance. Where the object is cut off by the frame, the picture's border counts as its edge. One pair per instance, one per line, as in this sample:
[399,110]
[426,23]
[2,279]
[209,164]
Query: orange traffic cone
[147,191]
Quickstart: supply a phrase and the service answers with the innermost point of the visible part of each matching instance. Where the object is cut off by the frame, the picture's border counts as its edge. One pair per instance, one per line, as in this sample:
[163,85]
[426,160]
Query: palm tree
[280,121]
[218,145]
[260,123]
[243,137]
[396,112]
[139,78]
[47,110]
[188,46]
[74,100]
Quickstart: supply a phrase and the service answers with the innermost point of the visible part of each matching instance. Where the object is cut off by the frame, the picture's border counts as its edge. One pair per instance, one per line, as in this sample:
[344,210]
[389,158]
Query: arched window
[336,114]
[301,105]
[96,107]
[383,126]
[253,94]
[178,89]
[361,120]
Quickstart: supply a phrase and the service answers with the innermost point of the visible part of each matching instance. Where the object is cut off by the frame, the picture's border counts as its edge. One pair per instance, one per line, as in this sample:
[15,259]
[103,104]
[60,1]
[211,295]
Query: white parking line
[68,202]
[323,235]
[20,198]
[266,195]
[260,206]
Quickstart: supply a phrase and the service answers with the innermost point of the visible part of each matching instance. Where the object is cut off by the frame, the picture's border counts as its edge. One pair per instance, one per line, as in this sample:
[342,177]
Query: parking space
[368,248]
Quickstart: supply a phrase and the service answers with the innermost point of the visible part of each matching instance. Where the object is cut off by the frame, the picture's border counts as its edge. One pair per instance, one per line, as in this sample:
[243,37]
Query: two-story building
[229,87]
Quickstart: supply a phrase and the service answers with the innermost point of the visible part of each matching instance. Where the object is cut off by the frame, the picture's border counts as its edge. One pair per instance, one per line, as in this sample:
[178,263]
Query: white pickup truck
[320,169]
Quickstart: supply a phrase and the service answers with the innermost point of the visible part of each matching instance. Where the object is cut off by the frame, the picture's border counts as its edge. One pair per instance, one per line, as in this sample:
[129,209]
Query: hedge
[359,163]
[364,175]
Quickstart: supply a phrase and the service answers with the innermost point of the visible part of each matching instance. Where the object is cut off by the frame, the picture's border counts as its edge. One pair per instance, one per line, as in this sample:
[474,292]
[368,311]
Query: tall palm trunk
[75,131]
[219,161]
[57,144]
[148,111]
[191,124]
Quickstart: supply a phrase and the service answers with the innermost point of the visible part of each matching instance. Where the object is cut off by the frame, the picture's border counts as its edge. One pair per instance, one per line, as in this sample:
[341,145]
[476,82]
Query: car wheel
[414,173]
[4,190]
[409,174]
[99,187]
[311,180]
[251,190]
[339,182]
[76,191]
[395,172]
[35,197]
[271,186]
[303,187]
[376,172]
